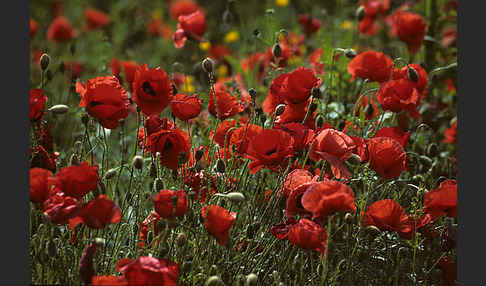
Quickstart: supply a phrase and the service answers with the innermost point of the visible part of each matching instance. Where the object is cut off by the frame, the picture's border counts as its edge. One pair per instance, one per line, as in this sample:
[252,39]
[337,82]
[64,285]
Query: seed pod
[432,150]
[220,167]
[350,53]
[280,109]
[158,185]
[256,32]
[208,65]
[349,218]
[360,13]
[85,119]
[59,109]
[44,61]
[372,230]
[251,279]
[214,269]
[186,266]
[277,50]
[412,74]
[319,121]
[214,281]
[74,160]
[252,93]
[316,92]
[354,159]
[138,162]
[181,239]
[99,241]
[110,174]
[312,107]
[236,197]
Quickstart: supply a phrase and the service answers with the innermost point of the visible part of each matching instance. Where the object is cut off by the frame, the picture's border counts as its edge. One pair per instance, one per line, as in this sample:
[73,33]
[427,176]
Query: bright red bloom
[182,7]
[77,181]
[41,158]
[164,203]
[315,62]
[148,270]
[293,205]
[223,132]
[129,68]
[395,133]
[60,30]
[368,106]
[97,213]
[410,28]
[218,52]
[186,107]
[152,89]
[294,179]
[86,269]
[95,19]
[60,208]
[271,148]
[227,104]
[423,78]
[242,137]
[104,99]
[388,215]
[371,65]
[387,157]
[33,28]
[361,148]
[309,25]
[152,219]
[158,28]
[373,9]
[327,197]
[74,67]
[335,147]
[442,200]
[109,281]
[37,104]
[307,234]
[189,26]
[218,222]
[451,134]
[39,184]
[301,134]
[295,113]
[398,95]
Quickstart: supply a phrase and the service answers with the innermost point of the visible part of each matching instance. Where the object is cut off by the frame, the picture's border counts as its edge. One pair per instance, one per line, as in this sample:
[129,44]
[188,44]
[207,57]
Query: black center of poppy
[369,110]
[94,103]
[168,144]
[270,152]
[147,88]
[298,203]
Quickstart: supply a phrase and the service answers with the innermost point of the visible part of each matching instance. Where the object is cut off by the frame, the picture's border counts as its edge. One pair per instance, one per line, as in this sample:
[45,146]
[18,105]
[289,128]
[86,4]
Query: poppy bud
[153,170]
[417,179]
[316,92]
[74,160]
[220,167]
[110,174]
[85,119]
[78,145]
[277,51]
[199,154]
[360,13]
[186,266]
[51,248]
[276,275]
[349,218]
[251,279]
[99,241]
[369,110]
[163,252]
[372,230]
[402,251]
[432,150]
[214,281]
[256,32]
[44,61]
[312,107]
[252,93]
[181,239]
[208,65]
[350,53]
[412,74]
[279,109]
[354,159]
[174,89]
[59,109]
[236,197]
[319,121]
[138,162]
[158,184]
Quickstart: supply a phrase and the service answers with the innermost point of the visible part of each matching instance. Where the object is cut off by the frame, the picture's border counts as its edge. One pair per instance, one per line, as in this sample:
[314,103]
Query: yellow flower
[187,87]
[222,71]
[231,37]
[282,3]
[156,14]
[347,25]
[204,46]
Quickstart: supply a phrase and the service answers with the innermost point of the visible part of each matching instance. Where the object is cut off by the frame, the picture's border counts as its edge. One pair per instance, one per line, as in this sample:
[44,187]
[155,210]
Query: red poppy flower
[95,19]
[410,28]
[398,95]
[307,234]
[293,205]
[33,28]
[294,179]
[97,213]
[301,134]
[371,65]
[373,9]
[129,68]
[60,30]
[152,89]
[152,219]
[309,25]
[218,222]
[76,181]
[442,200]
[388,215]
[189,26]
[227,105]
[74,67]
[223,132]
[327,197]
[242,137]
[164,205]
[173,145]
[295,113]
[86,269]
[186,107]
[451,134]
[39,184]
[420,84]
[109,281]
[315,62]
[370,110]
[158,28]
[271,148]
[40,158]
[60,208]
[148,270]
[37,104]
[395,133]
[182,7]
[104,99]
[218,52]
[387,157]
[335,147]
[361,148]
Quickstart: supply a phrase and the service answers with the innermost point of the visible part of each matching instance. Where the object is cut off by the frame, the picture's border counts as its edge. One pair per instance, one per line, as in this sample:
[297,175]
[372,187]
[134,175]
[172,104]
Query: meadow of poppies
[229,142]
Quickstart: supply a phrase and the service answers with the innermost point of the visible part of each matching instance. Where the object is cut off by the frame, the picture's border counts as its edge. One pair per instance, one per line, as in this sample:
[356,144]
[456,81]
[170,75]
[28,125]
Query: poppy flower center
[94,103]
[147,88]
[271,151]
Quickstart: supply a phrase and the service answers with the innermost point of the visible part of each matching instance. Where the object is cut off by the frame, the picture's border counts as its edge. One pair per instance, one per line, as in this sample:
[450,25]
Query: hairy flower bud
[412,74]
[44,61]
[59,109]
[280,109]
[360,13]
[138,162]
[251,279]
[277,50]
[208,65]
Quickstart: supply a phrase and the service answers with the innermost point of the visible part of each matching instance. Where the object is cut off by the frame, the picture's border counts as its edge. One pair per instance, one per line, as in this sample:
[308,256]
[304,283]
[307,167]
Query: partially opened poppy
[373,9]
[335,147]
[97,213]
[398,95]
[218,222]
[387,157]
[109,281]
[294,179]
[327,197]
[39,184]
[60,208]
[221,103]
[186,107]
[147,270]
[182,7]
[104,99]
[370,110]
[271,149]
[410,28]
[37,104]
[301,134]
[164,203]
[152,89]
[442,200]
[191,26]
[388,215]
[371,65]
[158,28]
[173,144]
[60,30]
[76,181]
[293,205]
[41,158]
[395,133]
[307,234]
[129,68]
[242,137]
[421,80]
[95,19]
[149,224]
